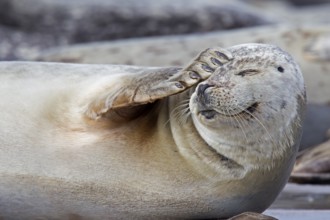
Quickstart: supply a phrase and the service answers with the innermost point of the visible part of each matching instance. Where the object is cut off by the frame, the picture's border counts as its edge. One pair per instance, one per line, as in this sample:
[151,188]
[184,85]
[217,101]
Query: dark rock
[15,43]
[77,21]
[308,2]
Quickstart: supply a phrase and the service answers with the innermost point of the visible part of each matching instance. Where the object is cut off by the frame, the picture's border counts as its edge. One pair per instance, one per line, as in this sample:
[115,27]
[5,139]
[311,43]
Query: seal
[211,140]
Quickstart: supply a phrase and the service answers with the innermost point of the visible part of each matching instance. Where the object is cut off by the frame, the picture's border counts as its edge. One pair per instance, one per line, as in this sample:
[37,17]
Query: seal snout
[203,100]
[203,96]
[213,99]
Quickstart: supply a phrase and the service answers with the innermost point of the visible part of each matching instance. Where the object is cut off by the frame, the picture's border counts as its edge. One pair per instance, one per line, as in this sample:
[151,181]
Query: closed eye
[248,72]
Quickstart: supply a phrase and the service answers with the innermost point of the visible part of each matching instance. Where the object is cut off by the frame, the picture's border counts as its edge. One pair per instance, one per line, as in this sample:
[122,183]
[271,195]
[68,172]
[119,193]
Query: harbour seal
[211,140]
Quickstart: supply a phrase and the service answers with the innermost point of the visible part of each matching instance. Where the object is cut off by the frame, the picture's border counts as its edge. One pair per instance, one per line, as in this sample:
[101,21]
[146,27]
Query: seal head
[249,110]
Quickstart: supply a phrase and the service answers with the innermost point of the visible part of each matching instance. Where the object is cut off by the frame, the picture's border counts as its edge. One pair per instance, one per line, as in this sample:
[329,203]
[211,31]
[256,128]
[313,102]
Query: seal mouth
[252,108]
[209,114]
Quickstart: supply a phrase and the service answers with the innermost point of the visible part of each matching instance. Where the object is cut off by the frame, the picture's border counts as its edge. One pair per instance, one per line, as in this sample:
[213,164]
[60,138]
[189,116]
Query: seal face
[249,106]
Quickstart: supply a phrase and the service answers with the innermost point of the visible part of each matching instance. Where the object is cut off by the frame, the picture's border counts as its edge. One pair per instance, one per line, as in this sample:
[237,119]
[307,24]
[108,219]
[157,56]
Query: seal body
[114,142]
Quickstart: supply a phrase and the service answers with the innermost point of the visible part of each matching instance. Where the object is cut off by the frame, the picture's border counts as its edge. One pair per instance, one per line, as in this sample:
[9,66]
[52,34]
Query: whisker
[257,139]
[180,112]
[259,121]
[238,122]
[243,128]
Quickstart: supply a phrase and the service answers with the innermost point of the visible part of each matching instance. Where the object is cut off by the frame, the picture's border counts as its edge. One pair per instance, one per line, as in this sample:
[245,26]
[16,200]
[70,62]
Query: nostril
[201,88]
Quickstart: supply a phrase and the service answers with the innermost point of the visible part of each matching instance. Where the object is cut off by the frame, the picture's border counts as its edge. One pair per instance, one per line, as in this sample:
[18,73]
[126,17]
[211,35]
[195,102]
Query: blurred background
[170,33]
[28,27]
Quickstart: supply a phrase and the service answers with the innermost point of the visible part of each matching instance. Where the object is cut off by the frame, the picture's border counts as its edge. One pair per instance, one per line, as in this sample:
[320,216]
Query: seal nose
[201,89]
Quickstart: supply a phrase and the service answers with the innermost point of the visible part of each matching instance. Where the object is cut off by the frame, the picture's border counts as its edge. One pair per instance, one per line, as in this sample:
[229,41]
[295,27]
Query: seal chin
[211,113]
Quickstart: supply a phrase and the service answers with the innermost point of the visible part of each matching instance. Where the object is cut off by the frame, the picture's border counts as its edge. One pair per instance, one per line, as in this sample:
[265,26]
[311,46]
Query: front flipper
[123,92]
